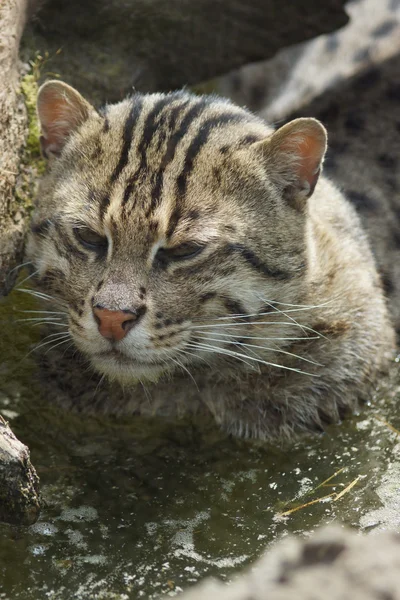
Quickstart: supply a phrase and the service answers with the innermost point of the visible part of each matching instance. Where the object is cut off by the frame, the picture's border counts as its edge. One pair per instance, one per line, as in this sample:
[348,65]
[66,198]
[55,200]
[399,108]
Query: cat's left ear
[61,109]
[293,157]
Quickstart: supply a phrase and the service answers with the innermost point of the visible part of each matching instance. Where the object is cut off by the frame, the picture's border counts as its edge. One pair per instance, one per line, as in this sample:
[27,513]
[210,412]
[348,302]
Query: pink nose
[114,324]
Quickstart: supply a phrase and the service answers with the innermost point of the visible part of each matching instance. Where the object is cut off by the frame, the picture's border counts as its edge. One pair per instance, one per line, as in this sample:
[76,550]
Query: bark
[13,133]
[19,483]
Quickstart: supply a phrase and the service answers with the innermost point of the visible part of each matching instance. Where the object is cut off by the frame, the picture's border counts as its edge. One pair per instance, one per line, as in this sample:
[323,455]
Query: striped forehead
[159,139]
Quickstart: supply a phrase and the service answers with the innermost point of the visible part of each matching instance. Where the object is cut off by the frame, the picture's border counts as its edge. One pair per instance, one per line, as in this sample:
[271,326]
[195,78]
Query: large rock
[13,133]
[333,564]
[19,483]
[107,46]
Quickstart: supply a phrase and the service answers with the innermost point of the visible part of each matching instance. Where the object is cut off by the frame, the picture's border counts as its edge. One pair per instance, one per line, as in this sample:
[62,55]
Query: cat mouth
[122,359]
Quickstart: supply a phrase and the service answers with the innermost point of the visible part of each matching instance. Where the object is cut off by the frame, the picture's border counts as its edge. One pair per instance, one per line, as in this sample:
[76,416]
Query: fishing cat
[192,249]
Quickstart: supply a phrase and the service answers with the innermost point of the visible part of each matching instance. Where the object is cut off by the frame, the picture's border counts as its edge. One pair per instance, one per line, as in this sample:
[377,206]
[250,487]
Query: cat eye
[182,252]
[90,239]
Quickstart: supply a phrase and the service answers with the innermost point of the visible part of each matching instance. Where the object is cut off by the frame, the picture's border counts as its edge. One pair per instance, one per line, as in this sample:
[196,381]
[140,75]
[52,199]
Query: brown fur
[287,253]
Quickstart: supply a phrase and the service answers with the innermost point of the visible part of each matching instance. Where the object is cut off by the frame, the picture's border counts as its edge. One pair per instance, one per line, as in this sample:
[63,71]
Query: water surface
[137,508]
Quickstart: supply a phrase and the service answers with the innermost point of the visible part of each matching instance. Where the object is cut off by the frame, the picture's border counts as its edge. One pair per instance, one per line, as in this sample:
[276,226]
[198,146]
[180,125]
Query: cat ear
[293,156]
[61,109]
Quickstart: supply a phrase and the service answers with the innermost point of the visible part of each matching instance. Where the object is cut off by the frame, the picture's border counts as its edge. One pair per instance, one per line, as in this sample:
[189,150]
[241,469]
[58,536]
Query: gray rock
[333,564]
[110,45]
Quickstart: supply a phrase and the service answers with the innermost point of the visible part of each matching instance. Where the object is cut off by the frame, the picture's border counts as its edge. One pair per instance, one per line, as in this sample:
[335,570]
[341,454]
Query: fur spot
[217,175]
[193,215]
[257,94]
[362,55]
[208,296]
[387,283]
[387,161]
[76,323]
[332,43]
[393,92]
[51,279]
[330,162]
[234,307]
[333,328]
[396,237]
[42,227]
[368,80]
[106,125]
[361,201]
[384,29]
[331,113]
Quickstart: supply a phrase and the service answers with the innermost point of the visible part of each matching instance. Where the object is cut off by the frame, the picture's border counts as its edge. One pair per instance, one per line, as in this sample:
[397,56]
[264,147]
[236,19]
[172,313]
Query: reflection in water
[136,508]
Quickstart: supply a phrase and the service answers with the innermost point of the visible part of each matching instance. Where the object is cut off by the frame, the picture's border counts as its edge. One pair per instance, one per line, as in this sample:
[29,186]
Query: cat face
[170,227]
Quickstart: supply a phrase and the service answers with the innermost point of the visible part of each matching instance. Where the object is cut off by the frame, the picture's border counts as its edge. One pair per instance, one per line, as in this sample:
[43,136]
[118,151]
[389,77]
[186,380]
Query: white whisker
[238,343]
[50,323]
[194,356]
[182,366]
[47,312]
[253,337]
[33,319]
[260,323]
[259,360]
[20,266]
[224,352]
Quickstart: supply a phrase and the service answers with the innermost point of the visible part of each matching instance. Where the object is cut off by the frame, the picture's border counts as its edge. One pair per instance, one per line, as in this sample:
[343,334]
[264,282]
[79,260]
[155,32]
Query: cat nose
[115,324]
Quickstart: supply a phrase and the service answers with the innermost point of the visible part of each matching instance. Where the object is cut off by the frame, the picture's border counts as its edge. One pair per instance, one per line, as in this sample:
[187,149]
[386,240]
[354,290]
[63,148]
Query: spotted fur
[296,75]
[258,322]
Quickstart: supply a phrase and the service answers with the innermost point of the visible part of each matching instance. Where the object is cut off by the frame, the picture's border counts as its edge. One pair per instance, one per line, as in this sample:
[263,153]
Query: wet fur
[268,252]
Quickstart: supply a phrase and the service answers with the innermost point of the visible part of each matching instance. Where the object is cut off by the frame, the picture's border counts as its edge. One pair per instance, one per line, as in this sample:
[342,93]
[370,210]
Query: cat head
[166,225]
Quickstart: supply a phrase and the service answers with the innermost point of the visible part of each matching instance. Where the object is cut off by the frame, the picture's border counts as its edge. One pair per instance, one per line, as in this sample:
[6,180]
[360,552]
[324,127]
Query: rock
[108,46]
[13,133]
[19,483]
[334,564]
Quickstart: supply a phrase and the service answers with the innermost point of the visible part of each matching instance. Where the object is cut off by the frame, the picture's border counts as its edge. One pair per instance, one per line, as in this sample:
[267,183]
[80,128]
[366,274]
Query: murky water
[136,509]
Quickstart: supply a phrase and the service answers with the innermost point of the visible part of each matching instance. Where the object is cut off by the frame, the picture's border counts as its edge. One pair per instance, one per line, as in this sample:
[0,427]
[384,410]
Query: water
[138,508]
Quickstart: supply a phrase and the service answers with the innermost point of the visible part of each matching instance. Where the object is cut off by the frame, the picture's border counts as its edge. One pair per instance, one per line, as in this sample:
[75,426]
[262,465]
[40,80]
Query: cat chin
[126,373]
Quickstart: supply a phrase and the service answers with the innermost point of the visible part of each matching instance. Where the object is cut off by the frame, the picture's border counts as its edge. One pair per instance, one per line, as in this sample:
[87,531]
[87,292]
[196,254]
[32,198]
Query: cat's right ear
[61,109]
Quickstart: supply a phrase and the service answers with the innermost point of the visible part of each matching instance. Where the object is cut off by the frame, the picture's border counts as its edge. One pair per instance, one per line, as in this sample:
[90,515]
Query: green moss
[29,88]
[32,164]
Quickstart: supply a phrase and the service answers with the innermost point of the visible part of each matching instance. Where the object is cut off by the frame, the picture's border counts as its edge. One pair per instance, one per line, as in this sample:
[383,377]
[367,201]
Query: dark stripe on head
[254,261]
[207,296]
[172,144]
[51,279]
[103,205]
[149,128]
[127,136]
[248,140]
[106,126]
[199,141]
[42,227]
[173,221]
[66,243]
